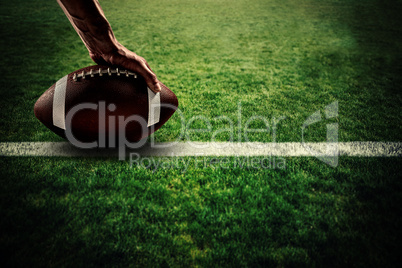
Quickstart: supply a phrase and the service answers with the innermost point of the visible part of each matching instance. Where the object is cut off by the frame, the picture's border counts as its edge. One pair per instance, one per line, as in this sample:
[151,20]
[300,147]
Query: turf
[114,214]
[277,59]
[280,60]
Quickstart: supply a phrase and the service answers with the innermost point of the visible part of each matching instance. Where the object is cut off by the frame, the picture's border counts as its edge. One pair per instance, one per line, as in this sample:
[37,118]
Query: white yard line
[357,149]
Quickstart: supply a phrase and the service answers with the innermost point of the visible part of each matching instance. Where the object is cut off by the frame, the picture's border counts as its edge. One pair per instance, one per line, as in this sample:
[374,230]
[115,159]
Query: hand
[130,61]
[89,21]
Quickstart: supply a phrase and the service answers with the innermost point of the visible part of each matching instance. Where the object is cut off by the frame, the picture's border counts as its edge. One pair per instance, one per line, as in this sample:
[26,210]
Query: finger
[150,78]
[153,83]
[149,67]
[139,65]
[146,63]
[98,60]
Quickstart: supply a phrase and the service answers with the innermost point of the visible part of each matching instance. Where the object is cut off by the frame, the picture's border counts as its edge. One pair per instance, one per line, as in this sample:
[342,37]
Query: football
[101,104]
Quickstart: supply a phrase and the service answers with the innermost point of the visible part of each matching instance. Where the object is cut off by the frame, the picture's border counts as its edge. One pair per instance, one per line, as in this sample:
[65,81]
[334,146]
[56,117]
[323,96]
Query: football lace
[101,72]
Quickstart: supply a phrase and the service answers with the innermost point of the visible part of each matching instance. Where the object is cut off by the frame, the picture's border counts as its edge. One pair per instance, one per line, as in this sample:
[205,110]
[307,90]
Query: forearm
[90,23]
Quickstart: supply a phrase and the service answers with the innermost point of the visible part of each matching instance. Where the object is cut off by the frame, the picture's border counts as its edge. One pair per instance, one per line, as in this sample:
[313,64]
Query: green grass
[277,59]
[116,215]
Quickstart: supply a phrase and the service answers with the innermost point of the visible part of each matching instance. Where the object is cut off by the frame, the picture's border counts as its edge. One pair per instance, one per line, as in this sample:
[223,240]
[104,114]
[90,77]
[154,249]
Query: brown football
[102,104]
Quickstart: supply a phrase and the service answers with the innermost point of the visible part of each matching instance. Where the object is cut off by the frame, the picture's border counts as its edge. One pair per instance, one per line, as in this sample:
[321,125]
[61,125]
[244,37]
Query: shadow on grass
[361,67]
[371,76]
[377,27]
[35,44]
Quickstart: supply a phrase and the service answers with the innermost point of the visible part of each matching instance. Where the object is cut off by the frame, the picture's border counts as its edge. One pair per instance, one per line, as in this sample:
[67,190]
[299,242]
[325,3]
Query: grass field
[274,59]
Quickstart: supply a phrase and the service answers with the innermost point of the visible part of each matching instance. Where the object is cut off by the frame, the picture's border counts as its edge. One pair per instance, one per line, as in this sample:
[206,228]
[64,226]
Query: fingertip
[155,88]
[153,83]
[158,87]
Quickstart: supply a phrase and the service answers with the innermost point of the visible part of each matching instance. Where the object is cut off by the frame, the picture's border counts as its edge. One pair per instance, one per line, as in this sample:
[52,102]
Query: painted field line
[358,149]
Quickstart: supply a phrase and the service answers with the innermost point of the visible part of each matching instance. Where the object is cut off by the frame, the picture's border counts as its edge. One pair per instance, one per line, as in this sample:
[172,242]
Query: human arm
[89,21]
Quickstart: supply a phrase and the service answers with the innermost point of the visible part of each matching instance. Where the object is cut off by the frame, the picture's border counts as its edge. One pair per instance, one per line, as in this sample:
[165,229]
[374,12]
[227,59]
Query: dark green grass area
[277,58]
[302,213]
